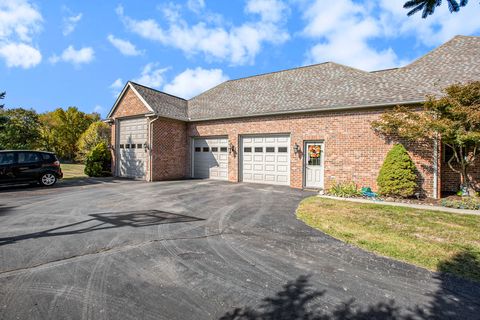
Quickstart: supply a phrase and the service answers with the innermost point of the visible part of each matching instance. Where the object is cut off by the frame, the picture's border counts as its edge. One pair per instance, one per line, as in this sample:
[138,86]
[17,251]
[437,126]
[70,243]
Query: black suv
[23,166]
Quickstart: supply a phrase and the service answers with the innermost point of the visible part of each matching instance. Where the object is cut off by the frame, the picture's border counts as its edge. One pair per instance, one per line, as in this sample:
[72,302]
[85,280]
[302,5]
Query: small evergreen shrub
[98,161]
[397,177]
[345,189]
[464,203]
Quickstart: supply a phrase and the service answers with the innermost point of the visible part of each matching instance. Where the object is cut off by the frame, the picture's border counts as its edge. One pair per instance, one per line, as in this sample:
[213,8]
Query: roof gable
[129,103]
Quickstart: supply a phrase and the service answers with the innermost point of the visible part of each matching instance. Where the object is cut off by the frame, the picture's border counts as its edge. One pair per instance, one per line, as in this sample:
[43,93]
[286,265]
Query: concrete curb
[408,205]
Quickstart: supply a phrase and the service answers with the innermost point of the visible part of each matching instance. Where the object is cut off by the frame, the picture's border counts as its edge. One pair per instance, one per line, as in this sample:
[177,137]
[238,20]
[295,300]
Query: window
[132,146]
[28,157]
[214,149]
[270,149]
[247,149]
[198,149]
[282,149]
[127,146]
[258,149]
[206,149]
[223,149]
[47,156]
[7,158]
[139,146]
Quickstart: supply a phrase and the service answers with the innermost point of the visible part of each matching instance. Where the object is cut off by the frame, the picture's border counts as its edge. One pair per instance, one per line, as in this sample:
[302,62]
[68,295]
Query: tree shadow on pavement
[109,220]
[455,298]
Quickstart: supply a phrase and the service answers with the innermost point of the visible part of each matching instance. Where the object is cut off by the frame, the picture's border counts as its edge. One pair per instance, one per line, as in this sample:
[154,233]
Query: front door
[313,156]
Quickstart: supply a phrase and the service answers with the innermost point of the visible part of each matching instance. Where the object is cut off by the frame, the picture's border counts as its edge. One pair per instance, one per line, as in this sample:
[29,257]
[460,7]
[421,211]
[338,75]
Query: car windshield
[7,158]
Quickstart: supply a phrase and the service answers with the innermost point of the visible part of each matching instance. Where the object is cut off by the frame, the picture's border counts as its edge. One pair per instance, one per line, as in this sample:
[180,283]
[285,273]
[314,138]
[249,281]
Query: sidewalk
[408,205]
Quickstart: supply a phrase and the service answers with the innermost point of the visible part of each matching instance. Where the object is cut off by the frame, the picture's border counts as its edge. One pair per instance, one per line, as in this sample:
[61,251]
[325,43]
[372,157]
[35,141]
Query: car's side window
[7,158]
[28,157]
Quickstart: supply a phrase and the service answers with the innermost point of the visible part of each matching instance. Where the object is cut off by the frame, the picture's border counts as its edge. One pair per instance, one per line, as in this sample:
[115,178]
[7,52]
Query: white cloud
[20,55]
[191,82]
[116,87]
[70,23]
[98,109]
[151,76]
[76,57]
[344,29]
[236,44]
[432,31]
[19,22]
[196,5]
[125,47]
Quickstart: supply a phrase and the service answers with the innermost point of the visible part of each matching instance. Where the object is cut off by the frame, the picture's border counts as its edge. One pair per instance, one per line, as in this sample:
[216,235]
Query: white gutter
[435,167]
[326,109]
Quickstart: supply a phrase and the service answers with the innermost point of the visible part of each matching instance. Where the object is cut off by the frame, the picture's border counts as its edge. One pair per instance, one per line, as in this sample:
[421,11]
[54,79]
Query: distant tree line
[70,133]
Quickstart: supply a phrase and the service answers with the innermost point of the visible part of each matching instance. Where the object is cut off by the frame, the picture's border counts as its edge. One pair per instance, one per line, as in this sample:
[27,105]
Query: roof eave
[333,108]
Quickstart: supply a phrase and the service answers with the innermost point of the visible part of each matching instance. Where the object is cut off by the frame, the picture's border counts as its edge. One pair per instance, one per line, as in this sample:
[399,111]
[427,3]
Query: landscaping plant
[345,189]
[98,161]
[453,119]
[397,177]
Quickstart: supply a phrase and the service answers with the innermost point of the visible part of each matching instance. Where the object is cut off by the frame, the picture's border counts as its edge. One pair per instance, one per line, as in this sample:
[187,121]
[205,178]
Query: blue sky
[81,53]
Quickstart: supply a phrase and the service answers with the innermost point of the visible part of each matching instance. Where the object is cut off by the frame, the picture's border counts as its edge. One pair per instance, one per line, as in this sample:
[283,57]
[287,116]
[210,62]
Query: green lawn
[72,171]
[438,241]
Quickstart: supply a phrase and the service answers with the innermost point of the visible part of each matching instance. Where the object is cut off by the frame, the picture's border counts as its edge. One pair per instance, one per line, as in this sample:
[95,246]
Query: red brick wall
[451,179]
[129,105]
[353,151]
[169,149]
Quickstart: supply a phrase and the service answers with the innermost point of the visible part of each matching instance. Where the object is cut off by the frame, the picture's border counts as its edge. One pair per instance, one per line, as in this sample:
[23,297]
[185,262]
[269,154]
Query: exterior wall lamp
[145,146]
[296,148]
[231,148]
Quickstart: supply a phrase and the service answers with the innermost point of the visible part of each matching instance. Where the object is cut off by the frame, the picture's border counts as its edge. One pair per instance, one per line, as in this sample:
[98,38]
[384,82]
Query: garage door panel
[266,159]
[210,158]
[131,155]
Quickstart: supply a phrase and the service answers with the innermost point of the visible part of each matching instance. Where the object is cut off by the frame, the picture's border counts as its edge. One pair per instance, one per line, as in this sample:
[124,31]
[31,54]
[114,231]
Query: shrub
[397,177]
[465,203]
[98,161]
[345,189]
[97,132]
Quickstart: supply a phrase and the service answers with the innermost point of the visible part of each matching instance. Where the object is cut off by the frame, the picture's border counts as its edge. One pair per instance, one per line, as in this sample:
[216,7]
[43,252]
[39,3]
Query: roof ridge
[159,91]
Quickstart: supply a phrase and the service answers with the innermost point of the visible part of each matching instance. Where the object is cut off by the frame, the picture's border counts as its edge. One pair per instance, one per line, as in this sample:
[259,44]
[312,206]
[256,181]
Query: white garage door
[132,155]
[266,159]
[210,158]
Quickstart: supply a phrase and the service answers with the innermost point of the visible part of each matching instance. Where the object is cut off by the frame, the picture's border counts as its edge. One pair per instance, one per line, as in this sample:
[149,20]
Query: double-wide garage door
[210,158]
[131,153]
[266,159]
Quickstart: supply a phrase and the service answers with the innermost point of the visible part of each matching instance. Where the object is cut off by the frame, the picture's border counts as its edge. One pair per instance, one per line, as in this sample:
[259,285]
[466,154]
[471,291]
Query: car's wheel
[48,179]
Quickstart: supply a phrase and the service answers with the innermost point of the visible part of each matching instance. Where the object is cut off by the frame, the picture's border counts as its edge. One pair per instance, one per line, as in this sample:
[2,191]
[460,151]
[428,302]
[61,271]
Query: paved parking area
[197,249]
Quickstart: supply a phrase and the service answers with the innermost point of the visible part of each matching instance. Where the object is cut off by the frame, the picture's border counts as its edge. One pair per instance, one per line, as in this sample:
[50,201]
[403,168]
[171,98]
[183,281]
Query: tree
[61,130]
[454,119]
[97,132]
[98,161]
[2,96]
[429,6]
[397,176]
[20,129]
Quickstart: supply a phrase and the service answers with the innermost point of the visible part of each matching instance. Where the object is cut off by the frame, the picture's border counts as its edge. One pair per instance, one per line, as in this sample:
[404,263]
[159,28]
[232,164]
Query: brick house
[306,127]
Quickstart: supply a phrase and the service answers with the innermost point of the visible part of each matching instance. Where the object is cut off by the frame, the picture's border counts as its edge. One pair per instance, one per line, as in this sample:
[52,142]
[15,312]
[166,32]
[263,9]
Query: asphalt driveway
[198,250]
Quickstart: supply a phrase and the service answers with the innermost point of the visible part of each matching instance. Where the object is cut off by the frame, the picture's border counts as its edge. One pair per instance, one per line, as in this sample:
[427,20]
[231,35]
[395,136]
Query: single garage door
[266,159]
[210,158]
[132,154]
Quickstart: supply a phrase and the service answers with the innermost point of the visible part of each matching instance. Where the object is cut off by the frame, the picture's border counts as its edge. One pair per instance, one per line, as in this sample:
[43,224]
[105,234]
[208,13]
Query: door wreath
[314,151]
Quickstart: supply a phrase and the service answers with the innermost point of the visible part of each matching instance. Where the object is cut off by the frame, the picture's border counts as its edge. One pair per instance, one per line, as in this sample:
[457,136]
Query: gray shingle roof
[457,60]
[165,105]
[326,86]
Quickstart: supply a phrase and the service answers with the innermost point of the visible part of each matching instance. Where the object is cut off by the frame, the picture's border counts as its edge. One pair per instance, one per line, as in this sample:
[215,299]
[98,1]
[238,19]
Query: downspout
[150,139]
[435,167]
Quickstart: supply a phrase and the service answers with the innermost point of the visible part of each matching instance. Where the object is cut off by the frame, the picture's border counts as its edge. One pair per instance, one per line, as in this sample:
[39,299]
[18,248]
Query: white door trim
[304,162]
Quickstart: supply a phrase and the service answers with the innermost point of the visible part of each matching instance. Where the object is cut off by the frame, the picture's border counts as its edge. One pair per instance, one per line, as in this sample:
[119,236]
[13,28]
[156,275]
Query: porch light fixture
[145,146]
[231,148]
[296,148]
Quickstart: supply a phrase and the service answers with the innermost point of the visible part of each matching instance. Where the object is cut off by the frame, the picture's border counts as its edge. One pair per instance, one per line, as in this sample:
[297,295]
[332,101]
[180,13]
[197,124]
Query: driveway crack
[106,250]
